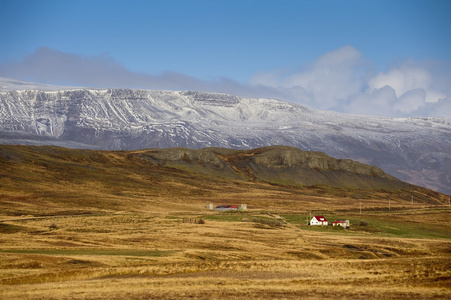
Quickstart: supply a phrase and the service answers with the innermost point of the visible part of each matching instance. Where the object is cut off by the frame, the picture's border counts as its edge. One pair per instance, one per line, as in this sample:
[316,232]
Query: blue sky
[379,57]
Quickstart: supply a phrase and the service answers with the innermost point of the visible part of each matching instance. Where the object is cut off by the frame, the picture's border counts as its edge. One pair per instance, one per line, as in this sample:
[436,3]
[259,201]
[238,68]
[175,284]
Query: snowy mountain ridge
[417,150]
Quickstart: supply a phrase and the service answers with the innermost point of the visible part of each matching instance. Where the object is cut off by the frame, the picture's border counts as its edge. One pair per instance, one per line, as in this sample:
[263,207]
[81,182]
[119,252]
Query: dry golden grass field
[93,226]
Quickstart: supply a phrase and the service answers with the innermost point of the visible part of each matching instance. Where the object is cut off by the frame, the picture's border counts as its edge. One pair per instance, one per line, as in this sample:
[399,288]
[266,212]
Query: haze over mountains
[416,150]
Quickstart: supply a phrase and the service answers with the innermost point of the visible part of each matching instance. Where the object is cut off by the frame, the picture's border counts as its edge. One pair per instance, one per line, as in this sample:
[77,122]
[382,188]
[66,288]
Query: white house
[318,220]
[342,223]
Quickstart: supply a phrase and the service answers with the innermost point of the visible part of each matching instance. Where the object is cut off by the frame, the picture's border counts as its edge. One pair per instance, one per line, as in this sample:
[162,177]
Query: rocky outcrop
[277,165]
[287,157]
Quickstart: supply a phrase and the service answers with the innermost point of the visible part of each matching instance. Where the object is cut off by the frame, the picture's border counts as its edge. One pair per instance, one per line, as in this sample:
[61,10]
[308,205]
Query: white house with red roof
[318,220]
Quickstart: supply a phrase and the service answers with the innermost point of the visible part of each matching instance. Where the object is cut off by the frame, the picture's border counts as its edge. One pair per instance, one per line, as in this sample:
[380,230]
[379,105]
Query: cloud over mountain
[341,80]
[52,66]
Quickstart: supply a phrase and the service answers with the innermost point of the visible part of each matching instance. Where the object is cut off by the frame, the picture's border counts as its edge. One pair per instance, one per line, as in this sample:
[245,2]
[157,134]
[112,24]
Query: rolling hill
[41,180]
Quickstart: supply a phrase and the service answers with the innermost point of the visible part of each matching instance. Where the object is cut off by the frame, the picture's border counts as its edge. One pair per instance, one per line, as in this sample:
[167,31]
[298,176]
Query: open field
[92,225]
[169,255]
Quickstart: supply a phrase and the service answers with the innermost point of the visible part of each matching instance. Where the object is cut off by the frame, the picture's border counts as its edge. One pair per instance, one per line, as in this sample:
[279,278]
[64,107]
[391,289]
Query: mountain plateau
[416,150]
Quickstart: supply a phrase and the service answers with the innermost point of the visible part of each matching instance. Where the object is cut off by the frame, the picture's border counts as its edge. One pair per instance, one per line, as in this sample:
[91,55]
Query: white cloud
[404,79]
[340,80]
[441,108]
[331,79]
[269,79]
[376,102]
[51,66]
[415,89]
[401,80]
[410,101]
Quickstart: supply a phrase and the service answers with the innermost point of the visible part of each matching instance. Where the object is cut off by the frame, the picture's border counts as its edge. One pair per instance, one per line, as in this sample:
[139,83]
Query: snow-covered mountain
[416,150]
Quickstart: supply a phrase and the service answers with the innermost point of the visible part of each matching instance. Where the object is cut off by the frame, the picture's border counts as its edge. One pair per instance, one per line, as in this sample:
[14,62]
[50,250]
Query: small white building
[318,220]
[342,223]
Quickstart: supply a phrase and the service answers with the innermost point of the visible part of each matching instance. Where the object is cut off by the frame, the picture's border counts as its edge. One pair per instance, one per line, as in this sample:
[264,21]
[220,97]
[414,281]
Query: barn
[227,207]
[342,223]
[318,220]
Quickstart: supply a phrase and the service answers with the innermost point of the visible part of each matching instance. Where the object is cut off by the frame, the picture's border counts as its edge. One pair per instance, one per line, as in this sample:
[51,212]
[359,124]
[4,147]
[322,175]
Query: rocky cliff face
[277,165]
[417,150]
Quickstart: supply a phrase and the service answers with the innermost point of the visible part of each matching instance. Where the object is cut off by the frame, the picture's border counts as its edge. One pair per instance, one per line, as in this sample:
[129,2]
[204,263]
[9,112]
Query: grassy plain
[96,225]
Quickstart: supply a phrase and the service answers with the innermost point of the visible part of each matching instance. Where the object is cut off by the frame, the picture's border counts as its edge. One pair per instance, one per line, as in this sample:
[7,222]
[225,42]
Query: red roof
[320,218]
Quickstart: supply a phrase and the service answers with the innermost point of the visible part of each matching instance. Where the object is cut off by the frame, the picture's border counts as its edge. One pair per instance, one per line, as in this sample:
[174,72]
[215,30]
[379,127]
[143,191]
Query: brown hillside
[51,180]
